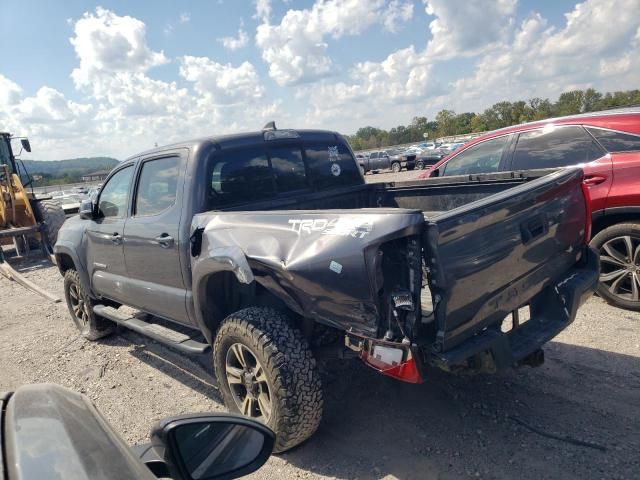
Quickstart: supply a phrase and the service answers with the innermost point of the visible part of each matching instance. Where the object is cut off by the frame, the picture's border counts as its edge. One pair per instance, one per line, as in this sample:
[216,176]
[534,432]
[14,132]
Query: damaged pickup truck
[268,248]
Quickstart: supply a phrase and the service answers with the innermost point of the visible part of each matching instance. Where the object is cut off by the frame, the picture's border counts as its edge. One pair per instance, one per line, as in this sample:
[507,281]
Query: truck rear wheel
[265,370]
[395,167]
[619,247]
[91,326]
[52,214]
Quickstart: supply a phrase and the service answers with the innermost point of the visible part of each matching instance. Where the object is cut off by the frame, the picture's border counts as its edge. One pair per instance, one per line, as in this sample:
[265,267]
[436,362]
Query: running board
[171,338]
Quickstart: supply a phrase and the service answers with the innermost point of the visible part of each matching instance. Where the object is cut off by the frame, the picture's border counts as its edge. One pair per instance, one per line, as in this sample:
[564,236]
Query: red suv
[607,146]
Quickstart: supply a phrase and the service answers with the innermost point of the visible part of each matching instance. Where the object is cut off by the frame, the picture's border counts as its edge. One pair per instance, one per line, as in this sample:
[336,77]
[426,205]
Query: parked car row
[606,145]
[70,200]
[419,157]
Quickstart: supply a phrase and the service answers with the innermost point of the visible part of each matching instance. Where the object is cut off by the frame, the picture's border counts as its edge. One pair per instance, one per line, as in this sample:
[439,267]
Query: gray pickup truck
[269,249]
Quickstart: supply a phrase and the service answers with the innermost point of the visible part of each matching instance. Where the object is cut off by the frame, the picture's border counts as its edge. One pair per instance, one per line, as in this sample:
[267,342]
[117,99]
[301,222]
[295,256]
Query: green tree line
[499,115]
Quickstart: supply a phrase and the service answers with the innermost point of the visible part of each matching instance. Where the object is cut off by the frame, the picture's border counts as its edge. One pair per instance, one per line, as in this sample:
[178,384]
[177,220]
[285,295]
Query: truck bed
[489,245]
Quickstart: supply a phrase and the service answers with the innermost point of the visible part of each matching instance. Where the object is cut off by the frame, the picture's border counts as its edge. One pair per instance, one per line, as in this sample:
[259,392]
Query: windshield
[5,152]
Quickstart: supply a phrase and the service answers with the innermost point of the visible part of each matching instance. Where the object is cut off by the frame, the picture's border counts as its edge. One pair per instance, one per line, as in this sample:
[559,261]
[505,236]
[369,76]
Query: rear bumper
[552,310]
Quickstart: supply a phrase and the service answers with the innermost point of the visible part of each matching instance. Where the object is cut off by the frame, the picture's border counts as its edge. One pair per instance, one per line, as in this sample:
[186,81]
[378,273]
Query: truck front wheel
[265,370]
[91,326]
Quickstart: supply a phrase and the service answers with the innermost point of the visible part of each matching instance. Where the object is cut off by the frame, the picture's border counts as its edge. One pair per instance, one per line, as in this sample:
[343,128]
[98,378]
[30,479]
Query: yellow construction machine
[25,221]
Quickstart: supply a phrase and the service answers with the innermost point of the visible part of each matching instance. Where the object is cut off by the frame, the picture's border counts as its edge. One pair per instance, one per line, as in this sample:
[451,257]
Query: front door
[152,239]
[106,266]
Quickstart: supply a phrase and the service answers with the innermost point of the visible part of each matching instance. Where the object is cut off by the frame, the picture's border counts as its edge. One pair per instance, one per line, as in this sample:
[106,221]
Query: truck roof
[245,139]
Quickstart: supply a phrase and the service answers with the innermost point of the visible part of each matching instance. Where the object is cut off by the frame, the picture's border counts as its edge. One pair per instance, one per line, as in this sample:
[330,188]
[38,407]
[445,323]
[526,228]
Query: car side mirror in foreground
[435,173]
[86,210]
[208,447]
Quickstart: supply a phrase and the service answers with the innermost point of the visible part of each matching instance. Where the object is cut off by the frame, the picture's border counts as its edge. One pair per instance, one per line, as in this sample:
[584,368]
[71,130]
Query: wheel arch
[222,292]
[614,216]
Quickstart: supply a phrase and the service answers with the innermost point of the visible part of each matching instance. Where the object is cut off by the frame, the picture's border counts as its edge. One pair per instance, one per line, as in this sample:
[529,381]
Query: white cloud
[127,110]
[222,84]
[513,62]
[296,48]
[185,17]
[10,92]
[467,27]
[263,10]
[396,13]
[544,61]
[106,44]
[235,43]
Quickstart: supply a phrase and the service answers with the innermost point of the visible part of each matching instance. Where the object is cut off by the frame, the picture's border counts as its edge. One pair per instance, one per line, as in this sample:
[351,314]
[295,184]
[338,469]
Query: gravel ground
[577,416]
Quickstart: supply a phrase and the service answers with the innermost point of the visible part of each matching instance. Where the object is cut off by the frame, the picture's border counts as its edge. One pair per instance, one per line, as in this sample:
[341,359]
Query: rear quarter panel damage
[320,263]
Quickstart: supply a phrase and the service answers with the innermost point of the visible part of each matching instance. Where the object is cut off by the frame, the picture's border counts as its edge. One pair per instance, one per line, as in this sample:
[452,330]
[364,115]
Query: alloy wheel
[248,383]
[620,267]
[79,307]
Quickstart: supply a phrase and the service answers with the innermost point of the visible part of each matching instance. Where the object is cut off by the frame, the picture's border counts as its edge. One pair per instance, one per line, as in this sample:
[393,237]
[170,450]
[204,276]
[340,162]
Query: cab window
[288,168]
[554,147]
[114,195]
[481,158]
[615,142]
[157,186]
[239,176]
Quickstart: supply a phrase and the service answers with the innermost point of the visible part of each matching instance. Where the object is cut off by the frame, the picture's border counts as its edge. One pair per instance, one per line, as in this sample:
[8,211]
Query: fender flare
[66,248]
[218,259]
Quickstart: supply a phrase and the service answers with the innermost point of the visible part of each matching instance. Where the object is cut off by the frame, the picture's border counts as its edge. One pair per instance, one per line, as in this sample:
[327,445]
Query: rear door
[563,146]
[624,149]
[492,256]
[152,239]
[374,161]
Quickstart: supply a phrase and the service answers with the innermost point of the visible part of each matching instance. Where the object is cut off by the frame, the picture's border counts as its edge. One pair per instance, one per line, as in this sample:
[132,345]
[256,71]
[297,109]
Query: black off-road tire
[419,165]
[91,326]
[52,214]
[291,371]
[396,167]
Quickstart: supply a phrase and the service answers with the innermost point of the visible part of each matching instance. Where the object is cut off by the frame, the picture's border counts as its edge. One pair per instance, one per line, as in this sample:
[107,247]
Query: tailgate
[492,256]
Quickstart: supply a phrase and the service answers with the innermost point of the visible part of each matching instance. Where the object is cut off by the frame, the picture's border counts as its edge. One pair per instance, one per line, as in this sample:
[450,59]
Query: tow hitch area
[389,358]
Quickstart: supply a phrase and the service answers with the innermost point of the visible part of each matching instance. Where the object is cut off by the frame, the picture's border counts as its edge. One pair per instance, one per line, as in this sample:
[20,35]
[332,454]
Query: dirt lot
[578,416]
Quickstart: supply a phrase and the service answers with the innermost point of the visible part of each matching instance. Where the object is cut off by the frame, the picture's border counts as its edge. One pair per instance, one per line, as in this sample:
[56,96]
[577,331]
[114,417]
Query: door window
[481,158]
[288,168]
[554,147]
[616,141]
[114,195]
[240,176]
[157,186]
[374,155]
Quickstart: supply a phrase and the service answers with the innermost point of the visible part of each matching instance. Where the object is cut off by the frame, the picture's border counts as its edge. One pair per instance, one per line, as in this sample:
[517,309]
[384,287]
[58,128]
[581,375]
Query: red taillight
[406,371]
[587,206]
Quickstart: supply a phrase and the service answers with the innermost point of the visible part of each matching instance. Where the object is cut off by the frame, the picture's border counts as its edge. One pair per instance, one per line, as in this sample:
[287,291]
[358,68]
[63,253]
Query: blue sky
[115,77]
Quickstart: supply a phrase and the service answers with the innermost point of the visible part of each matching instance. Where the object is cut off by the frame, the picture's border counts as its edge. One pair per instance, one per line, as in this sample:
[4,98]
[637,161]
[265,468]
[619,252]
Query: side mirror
[435,173]
[86,210]
[208,447]
[25,144]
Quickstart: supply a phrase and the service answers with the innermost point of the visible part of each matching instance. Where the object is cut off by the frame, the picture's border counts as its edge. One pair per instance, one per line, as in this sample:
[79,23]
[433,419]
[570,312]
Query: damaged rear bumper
[552,310]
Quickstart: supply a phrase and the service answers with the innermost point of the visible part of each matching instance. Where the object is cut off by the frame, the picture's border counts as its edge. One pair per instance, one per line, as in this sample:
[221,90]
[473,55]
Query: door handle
[591,180]
[116,238]
[165,240]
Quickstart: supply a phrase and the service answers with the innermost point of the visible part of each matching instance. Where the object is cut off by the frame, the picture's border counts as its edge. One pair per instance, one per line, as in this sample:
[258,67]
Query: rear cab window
[244,175]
